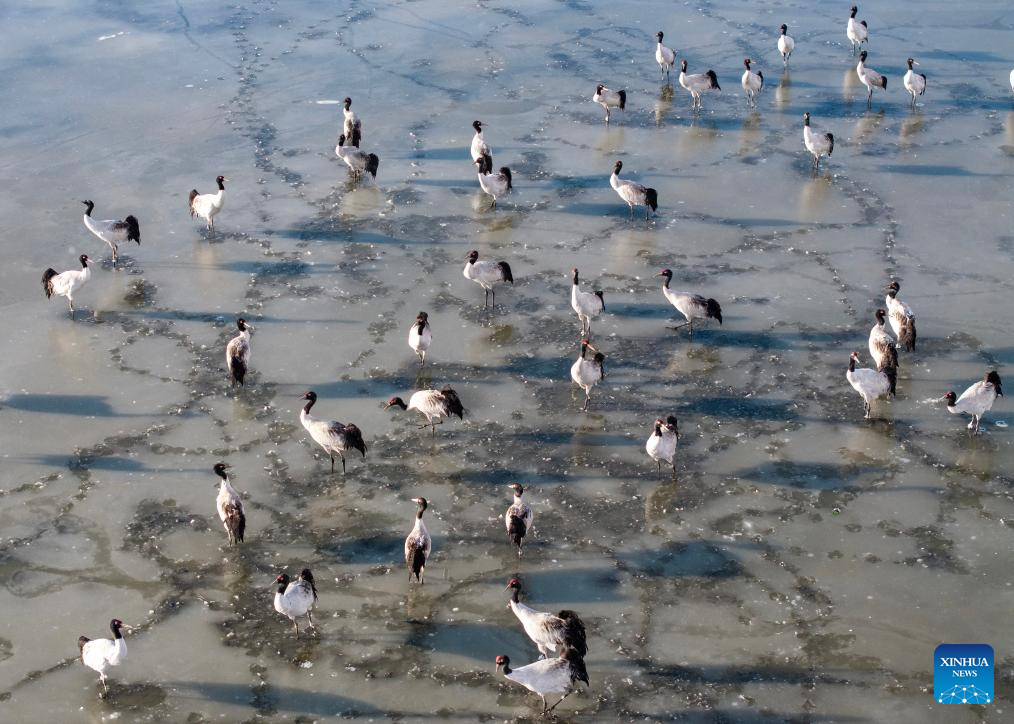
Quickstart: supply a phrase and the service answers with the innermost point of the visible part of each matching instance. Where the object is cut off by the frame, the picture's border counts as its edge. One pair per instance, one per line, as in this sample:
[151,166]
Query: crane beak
[915,62]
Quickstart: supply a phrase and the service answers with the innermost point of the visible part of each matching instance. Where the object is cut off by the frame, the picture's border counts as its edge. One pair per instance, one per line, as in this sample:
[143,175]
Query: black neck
[668,278]
[116,631]
[658,429]
[515,595]
[282,586]
[308,405]
[575,271]
[852,364]
[221,185]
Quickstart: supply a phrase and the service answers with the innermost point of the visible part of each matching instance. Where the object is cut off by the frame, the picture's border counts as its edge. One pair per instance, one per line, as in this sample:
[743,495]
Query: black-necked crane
[230,506]
[873,384]
[901,317]
[208,206]
[977,400]
[112,231]
[352,126]
[609,99]
[518,517]
[336,438]
[586,305]
[418,544]
[818,144]
[882,345]
[662,442]
[915,83]
[869,77]
[100,655]
[420,337]
[68,283]
[551,633]
[479,147]
[665,57]
[698,83]
[487,274]
[357,160]
[856,30]
[691,306]
[237,352]
[494,184]
[296,598]
[752,82]
[587,372]
[785,44]
[547,676]
[434,405]
[633,193]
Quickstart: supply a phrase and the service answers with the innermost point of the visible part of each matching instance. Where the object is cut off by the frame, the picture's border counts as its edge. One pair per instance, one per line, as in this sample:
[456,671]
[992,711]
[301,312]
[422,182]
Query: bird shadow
[62,404]
[279,698]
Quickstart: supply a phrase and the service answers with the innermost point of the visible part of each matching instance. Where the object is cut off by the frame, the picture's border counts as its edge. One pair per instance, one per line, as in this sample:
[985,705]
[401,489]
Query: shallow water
[804,563]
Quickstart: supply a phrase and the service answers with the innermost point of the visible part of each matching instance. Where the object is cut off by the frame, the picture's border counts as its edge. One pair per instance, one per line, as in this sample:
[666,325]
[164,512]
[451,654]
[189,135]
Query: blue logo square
[963,674]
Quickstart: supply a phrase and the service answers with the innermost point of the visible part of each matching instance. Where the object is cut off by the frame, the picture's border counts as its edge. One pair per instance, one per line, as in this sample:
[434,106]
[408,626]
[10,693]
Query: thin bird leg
[659,467]
[102,680]
[493,305]
[679,326]
[631,206]
[297,627]
[561,699]
[486,303]
[587,399]
[332,463]
[674,468]
[545,704]
[309,617]
[691,329]
[343,462]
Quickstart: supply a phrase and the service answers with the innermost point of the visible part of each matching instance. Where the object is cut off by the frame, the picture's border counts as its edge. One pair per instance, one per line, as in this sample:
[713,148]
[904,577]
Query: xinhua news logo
[963,674]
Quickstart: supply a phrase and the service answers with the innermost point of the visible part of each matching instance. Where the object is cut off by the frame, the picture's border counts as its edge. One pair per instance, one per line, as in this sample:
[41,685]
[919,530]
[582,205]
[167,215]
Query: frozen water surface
[803,564]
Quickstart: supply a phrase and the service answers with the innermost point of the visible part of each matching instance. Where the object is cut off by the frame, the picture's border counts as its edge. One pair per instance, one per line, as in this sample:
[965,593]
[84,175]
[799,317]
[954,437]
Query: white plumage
[871,384]
[698,83]
[112,231]
[100,655]
[434,405]
[1012,81]
[665,57]
[785,44]
[479,147]
[419,336]
[494,184]
[297,598]
[487,274]
[752,82]
[587,305]
[915,83]
[661,443]
[818,144]
[66,284]
[518,517]
[547,676]
[358,161]
[418,544]
[977,400]
[691,306]
[207,206]
[587,373]
[352,127]
[856,30]
[609,99]
[335,437]
[551,633]
[237,352]
[633,193]
[230,506]
[869,77]
[901,317]
[883,348]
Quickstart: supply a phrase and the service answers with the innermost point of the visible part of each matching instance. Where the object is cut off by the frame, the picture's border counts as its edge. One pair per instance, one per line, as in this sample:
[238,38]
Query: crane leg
[561,699]
[309,617]
[343,462]
[332,463]
[674,468]
[659,467]
[297,627]
[493,292]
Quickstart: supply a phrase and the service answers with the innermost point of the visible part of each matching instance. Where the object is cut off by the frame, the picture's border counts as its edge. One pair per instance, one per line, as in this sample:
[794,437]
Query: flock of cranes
[560,638]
